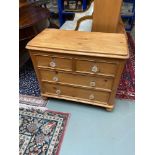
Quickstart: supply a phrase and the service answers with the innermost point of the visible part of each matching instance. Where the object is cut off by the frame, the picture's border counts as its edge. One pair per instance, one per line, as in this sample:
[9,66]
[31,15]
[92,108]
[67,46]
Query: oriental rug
[32,100]
[41,131]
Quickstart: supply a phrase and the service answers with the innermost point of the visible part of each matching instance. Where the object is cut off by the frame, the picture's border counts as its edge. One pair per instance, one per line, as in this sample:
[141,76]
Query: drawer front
[84,94]
[96,67]
[75,79]
[54,62]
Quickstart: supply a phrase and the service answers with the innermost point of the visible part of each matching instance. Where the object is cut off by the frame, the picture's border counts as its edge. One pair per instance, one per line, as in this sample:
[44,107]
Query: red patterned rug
[41,131]
[126,89]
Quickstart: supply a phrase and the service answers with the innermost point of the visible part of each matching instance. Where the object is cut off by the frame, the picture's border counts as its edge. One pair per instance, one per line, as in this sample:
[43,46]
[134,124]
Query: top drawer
[90,66]
[54,62]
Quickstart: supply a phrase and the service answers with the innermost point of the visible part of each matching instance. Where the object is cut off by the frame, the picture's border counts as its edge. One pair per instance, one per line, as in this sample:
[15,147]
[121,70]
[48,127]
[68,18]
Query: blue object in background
[130,17]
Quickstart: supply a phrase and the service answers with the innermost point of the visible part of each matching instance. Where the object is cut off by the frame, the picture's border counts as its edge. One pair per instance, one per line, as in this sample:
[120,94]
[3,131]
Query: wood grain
[102,83]
[106,15]
[75,76]
[83,94]
[104,44]
[100,104]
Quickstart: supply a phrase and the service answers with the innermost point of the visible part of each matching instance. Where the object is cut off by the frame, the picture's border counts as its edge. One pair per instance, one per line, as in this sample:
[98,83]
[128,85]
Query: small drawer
[79,93]
[77,79]
[106,68]
[54,62]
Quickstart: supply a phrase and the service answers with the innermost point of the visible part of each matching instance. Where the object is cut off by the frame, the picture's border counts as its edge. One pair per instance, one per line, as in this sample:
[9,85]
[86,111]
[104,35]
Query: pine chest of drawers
[79,66]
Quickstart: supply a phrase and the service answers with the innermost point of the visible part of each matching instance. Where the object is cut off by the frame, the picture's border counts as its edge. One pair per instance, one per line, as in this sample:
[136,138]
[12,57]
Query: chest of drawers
[79,66]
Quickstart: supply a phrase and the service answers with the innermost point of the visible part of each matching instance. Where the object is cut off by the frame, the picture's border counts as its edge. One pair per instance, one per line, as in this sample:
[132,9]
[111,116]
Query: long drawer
[84,94]
[76,79]
[54,62]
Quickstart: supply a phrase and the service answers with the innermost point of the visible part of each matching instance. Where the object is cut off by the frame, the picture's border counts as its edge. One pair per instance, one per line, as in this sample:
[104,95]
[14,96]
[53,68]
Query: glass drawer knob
[94,69]
[55,78]
[58,92]
[92,84]
[91,97]
[52,64]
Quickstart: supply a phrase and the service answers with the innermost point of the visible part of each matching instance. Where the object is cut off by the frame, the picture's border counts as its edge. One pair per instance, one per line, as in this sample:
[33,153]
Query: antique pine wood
[102,44]
[106,15]
[90,82]
[79,66]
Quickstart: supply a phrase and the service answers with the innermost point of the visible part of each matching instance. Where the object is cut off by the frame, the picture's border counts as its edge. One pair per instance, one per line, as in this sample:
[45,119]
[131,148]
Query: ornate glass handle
[94,69]
[52,64]
[58,92]
[55,79]
[92,84]
[91,97]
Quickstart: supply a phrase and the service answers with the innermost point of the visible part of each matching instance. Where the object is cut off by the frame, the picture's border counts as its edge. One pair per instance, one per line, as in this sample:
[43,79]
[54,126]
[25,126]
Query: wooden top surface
[84,43]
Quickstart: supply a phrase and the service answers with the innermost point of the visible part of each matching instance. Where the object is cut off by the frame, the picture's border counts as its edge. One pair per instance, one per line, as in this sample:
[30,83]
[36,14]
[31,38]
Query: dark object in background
[32,20]
[72,5]
[69,16]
